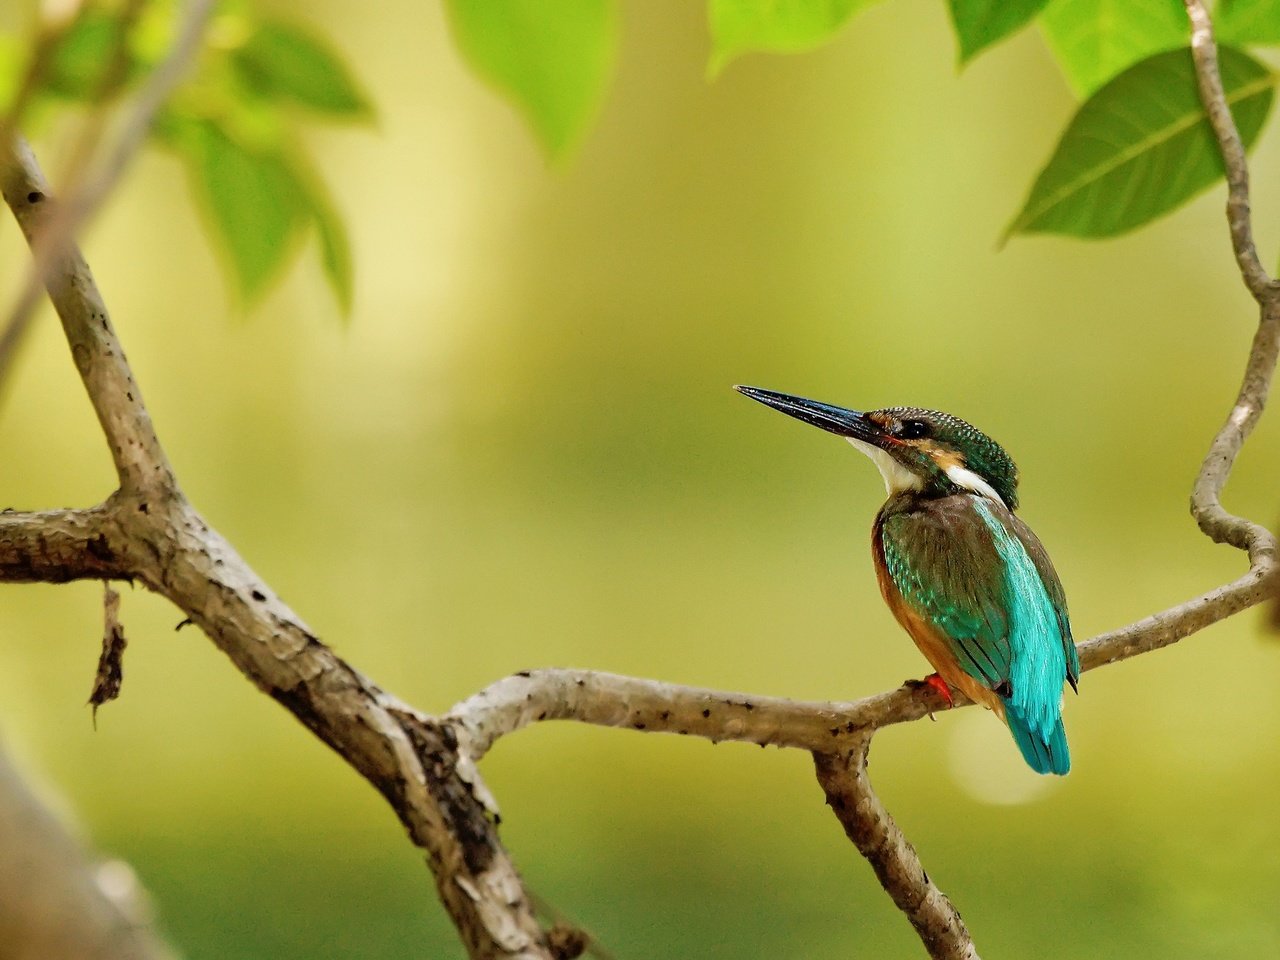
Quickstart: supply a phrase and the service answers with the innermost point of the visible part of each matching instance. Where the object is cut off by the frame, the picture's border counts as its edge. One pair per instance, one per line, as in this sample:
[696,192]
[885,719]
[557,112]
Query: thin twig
[1204,53]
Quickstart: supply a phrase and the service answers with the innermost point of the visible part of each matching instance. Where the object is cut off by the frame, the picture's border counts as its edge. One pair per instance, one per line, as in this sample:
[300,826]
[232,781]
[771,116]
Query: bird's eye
[913,430]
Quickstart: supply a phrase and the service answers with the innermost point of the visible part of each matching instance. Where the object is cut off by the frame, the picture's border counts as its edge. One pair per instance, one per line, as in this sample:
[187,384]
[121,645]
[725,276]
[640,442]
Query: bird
[960,571]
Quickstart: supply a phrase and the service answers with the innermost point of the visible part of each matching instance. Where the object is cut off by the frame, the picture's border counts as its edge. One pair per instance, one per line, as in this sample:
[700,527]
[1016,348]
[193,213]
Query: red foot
[937,684]
[940,685]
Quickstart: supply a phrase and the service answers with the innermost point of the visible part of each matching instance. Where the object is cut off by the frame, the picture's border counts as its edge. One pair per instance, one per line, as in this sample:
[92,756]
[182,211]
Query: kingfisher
[962,574]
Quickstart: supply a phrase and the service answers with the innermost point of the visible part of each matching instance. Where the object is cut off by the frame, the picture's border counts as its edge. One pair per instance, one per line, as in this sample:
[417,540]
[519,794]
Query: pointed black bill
[837,420]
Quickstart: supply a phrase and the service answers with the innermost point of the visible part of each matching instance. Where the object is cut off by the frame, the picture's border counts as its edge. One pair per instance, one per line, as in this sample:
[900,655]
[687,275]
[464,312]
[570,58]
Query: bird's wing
[942,558]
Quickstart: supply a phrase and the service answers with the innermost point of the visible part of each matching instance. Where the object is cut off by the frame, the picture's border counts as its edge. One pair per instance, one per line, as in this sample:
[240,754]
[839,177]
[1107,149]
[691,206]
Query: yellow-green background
[524,451]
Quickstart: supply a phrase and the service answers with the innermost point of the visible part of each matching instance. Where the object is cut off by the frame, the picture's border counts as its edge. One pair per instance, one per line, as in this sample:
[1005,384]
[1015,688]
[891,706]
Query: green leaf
[980,23]
[83,54]
[1248,21]
[774,26]
[252,199]
[1096,39]
[1141,146]
[13,55]
[335,249]
[552,61]
[281,62]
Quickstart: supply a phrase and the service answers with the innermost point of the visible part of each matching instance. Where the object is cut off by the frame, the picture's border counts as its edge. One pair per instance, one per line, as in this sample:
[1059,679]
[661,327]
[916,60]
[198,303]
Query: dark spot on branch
[749,705]
[258,595]
[465,816]
[143,508]
[638,725]
[449,736]
[35,196]
[706,713]
[523,673]
[99,549]
[666,714]
[542,715]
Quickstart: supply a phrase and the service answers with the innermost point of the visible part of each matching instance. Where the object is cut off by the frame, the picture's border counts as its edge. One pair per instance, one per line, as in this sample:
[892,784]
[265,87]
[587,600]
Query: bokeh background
[523,450]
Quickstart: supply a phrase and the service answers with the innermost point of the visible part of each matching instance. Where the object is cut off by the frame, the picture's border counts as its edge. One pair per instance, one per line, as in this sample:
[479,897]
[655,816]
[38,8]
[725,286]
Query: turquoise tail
[1043,754]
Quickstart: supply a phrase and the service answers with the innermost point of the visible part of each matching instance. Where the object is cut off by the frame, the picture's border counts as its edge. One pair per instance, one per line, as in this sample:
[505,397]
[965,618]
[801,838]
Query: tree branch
[140,461]
[58,546]
[897,866]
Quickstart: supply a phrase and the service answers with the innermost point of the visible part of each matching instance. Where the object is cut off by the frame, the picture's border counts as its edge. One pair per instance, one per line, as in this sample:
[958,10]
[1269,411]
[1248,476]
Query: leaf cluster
[235,124]
[1138,146]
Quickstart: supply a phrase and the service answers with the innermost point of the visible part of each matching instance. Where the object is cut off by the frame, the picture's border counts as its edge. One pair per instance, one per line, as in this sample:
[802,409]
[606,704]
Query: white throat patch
[968,480]
[896,477]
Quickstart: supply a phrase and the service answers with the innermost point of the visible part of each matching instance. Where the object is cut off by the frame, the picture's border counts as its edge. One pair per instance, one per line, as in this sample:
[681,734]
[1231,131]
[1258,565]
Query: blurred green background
[524,451]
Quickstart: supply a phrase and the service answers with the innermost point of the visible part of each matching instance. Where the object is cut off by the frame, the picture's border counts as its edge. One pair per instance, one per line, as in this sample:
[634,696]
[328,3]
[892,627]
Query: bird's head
[927,451]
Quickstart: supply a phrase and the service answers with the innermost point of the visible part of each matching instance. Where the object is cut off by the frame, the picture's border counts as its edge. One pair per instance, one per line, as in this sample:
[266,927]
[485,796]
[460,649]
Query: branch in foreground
[55,903]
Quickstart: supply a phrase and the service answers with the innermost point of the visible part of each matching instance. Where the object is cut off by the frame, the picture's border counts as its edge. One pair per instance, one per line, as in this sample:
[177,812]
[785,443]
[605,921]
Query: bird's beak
[837,420]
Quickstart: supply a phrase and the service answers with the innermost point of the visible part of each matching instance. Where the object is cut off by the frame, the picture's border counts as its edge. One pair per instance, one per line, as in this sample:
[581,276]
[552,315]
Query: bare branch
[140,461]
[867,823]
[652,706]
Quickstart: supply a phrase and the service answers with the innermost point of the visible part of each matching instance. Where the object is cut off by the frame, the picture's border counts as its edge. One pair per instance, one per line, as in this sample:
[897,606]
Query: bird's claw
[939,686]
